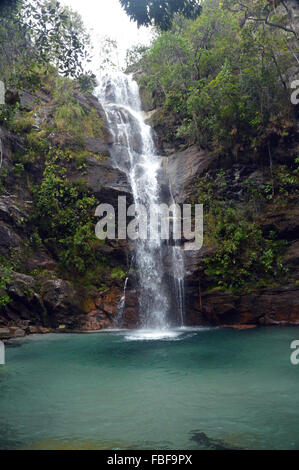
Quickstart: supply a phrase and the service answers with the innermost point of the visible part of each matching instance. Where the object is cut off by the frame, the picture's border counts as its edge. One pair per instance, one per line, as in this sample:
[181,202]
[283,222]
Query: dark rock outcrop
[105,181]
[61,302]
[8,239]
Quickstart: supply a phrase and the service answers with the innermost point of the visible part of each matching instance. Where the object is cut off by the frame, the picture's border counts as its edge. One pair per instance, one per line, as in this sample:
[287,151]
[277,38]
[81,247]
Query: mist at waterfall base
[205,388]
[134,152]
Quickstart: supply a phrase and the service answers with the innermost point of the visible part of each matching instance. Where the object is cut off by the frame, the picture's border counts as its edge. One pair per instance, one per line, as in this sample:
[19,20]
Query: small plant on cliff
[5,277]
[118,273]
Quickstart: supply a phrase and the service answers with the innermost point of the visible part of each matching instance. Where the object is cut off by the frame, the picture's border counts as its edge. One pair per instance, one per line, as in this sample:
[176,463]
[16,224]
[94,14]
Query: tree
[160,12]
[273,13]
[58,35]
[220,82]
[38,34]
[15,48]
[6,5]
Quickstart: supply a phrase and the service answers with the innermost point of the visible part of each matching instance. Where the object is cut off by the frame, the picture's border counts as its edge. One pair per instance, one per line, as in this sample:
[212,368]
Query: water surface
[189,389]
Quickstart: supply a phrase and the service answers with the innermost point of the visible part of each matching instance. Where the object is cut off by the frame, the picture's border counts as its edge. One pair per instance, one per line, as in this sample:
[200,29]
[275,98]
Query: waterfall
[134,152]
[121,307]
[2,353]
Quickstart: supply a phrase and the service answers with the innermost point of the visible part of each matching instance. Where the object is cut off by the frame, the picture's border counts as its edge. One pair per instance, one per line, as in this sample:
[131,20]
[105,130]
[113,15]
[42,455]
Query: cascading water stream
[121,307]
[134,152]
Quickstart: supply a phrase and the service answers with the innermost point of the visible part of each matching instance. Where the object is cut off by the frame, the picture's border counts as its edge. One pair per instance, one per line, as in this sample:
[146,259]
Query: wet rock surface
[105,181]
[183,168]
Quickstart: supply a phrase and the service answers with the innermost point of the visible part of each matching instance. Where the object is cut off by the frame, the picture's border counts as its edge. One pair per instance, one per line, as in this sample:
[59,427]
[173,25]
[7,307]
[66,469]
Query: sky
[107,18]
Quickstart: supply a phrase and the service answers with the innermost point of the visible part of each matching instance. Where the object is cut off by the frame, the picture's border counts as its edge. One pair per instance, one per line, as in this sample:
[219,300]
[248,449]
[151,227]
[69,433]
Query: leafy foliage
[245,257]
[58,35]
[221,83]
[248,254]
[40,33]
[5,277]
[265,11]
[160,12]
[65,216]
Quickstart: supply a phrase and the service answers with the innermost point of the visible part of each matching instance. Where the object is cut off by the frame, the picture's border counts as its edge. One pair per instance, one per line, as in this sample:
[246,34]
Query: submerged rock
[208,443]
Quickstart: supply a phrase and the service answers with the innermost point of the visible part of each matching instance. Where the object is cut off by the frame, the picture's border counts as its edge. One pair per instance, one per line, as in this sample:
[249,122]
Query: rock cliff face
[183,168]
[205,304]
[41,297]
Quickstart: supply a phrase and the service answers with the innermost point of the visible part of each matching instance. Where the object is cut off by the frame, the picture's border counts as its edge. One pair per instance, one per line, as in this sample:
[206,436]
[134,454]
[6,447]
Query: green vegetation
[70,116]
[247,253]
[4,280]
[160,13]
[118,273]
[43,45]
[220,81]
[40,33]
[65,216]
[245,258]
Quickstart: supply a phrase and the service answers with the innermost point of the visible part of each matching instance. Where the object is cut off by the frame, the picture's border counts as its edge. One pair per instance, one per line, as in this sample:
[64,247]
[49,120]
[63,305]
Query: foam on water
[152,335]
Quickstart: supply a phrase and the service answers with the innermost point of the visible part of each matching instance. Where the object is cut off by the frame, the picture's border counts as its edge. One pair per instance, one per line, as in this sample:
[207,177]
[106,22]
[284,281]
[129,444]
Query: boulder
[61,301]
[33,330]
[25,303]
[17,332]
[42,330]
[11,332]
